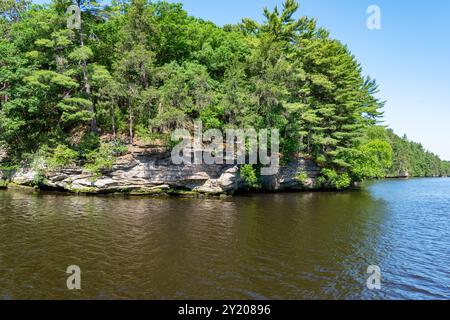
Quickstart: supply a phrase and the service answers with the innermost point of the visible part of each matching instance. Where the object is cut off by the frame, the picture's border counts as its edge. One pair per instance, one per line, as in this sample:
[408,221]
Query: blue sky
[409,56]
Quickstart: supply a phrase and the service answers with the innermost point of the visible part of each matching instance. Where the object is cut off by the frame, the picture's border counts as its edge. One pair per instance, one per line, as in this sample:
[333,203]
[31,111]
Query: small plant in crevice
[101,159]
[302,178]
[39,179]
[249,177]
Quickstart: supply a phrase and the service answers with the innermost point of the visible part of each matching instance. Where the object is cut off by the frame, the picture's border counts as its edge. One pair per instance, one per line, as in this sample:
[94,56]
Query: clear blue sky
[409,56]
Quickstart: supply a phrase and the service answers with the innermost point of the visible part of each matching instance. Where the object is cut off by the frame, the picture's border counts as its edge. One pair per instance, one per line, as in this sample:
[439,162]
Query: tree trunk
[131,121]
[87,86]
[113,125]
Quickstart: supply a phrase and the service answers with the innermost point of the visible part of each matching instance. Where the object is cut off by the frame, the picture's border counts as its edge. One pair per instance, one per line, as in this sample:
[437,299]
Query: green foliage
[372,160]
[141,69]
[38,159]
[39,179]
[334,180]
[119,149]
[302,177]
[412,159]
[445,170]
[211,118]
[88,144]
[81,54]
[5,167]
[249,176]
[101,159]
[62,156]
[144,134]
[11,10]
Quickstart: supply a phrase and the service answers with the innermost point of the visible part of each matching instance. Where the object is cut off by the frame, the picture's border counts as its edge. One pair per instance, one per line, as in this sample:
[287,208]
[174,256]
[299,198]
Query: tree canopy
[137,70]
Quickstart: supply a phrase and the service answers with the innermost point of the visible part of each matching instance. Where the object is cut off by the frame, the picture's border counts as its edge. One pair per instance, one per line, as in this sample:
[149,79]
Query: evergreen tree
[136,70]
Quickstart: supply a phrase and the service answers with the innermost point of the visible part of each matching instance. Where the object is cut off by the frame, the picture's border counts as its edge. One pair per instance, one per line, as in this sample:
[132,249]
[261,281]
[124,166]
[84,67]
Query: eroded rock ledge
[154,173]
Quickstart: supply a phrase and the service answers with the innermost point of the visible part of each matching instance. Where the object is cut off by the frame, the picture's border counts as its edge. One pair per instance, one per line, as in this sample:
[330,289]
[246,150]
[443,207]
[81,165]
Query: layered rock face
[296,175]
[3,153]
[154,172]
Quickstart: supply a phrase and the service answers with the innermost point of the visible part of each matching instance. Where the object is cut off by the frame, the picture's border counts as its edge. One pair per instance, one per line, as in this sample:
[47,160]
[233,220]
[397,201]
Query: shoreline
[183,193]
[155,174]
[151,172]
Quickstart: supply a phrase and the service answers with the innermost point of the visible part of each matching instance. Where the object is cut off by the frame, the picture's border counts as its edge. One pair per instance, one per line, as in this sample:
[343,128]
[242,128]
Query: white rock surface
[149,173]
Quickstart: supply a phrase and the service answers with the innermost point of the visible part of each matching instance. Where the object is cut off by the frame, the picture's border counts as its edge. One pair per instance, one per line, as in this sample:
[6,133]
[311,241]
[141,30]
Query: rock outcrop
[154,172]
[399,175]
[296,175]
[3,153]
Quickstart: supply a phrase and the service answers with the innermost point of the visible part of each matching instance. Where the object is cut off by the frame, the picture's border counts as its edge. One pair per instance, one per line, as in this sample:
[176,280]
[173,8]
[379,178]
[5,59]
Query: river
[263,246]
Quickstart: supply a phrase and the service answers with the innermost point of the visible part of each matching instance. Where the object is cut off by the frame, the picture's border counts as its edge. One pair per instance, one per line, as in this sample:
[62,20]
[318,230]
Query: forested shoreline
[137,70]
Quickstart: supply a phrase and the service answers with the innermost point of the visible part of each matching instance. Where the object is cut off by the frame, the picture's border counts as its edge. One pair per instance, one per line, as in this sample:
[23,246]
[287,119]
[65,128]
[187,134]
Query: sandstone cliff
[153,173]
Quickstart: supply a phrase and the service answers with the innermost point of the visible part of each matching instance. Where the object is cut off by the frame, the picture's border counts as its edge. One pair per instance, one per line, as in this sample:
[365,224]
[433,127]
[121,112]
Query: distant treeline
[136,70]
[411,158]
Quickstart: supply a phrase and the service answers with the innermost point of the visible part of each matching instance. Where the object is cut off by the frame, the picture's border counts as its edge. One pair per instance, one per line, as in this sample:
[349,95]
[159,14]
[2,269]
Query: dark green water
[275,246]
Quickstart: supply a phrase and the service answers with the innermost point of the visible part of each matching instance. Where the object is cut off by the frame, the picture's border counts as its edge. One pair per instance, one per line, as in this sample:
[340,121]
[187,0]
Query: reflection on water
[271,246]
